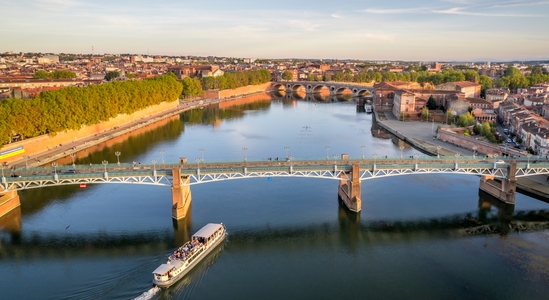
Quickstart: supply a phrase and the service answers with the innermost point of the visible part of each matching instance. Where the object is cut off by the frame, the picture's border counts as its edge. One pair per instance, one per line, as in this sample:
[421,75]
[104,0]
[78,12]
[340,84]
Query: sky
[428,30]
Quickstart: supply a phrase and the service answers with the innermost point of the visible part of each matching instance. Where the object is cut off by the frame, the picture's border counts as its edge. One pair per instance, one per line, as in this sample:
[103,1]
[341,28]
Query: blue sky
[374,30]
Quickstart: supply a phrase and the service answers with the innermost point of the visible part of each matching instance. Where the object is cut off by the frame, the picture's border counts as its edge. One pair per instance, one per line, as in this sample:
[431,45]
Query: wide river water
[289,238]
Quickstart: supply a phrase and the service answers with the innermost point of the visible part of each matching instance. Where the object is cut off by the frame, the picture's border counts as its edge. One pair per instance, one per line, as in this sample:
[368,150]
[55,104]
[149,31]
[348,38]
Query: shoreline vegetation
[46,154]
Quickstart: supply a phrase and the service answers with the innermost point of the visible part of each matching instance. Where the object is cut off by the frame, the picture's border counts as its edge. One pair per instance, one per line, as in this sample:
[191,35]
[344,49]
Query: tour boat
[182,260]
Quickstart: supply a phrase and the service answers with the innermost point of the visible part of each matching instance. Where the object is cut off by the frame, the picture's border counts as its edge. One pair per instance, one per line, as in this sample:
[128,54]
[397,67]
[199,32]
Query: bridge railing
[380,162]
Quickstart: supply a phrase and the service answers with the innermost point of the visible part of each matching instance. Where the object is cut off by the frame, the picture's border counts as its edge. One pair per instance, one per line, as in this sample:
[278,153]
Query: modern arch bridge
[335,88]
[498,178]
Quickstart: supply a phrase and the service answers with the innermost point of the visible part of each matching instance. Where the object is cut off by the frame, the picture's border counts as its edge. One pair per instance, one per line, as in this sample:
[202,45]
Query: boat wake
[148,294]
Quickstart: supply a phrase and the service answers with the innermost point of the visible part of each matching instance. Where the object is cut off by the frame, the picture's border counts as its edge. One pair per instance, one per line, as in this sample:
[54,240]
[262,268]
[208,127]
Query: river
[288,238]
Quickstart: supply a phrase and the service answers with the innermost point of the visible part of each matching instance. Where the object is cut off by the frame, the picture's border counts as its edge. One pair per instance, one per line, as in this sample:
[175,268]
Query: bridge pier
[505,190]
[349,190]
[8,202]
[181,195]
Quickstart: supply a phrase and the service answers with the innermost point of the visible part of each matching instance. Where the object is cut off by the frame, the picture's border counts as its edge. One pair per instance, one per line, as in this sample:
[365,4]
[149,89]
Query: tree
[41,74]
[287,75]
[111,75]
[431,103]
[465,120]
[425,112]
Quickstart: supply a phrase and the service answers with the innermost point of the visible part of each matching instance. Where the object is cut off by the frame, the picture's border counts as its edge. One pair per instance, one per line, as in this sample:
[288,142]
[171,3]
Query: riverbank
[421,135]
[49,154]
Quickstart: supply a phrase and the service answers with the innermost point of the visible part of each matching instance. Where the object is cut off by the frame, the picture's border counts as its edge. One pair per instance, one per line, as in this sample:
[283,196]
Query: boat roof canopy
[163,269]
[207,230]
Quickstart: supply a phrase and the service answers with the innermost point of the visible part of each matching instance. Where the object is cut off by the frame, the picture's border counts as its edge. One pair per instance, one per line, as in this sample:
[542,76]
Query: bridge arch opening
[364,93]
[321,89]
[298,88]
[343,91]
[278,87]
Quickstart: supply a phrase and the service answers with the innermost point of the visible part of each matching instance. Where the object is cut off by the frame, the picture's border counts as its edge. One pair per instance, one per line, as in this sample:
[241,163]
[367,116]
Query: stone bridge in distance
[335,88]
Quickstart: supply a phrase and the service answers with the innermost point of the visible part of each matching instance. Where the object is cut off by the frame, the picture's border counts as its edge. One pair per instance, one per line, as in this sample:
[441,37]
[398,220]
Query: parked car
[499,161]
[70,171]
[15,175]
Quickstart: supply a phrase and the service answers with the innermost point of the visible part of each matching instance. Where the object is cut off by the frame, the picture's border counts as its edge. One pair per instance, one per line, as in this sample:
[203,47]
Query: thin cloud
[336,15]
[304,25]
[460,11]
[520,4]
[394,11]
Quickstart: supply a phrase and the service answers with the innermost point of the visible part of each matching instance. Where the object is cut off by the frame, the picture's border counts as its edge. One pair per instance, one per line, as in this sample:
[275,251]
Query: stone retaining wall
[469,142]
[241,91]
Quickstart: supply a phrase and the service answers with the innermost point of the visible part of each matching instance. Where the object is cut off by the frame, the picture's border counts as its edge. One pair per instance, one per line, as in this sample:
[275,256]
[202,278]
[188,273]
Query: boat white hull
[201,256]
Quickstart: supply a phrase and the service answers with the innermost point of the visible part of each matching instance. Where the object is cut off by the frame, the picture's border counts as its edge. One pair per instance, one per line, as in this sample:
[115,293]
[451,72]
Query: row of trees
[514,79]
[422,77]
[74,107]
[56,74]
[233,80]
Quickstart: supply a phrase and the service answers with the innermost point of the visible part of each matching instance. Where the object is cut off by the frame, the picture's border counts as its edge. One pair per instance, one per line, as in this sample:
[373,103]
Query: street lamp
[401,148]
[105,163]
[335,157]
[197,162]
[327,148]
[244,150]
[528,155]
[474,152]
[72,156]
[438,151]
[162,154]
[457,155]
[286,149]
[54,165]
[3,178]
[154,164]
[117,153]
[374,156]
[362,147]
[416,156]
[202,153]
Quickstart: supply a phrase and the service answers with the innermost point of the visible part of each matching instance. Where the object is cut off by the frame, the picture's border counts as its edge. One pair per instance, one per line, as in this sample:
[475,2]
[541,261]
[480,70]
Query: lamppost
[162,154]
[3,177]
[327,148]
[117,153]
[457,155]
[154,164]
[416,157]
[197,162]
[495,156]
[335,157]
[54,165]
[105,163]
[286,149]
[202,153]
[528,155]
[474,152]
[27,162]
[362,147]
[438,150]
[244,150]
[401,148]
[374,156]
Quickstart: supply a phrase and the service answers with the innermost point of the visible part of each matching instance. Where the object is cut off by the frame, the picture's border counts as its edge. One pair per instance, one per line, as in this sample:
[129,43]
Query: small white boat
[182,260]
